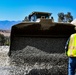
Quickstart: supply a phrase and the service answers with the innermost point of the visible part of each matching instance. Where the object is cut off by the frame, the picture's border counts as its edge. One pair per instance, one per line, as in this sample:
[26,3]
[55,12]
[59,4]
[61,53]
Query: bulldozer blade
[48,37]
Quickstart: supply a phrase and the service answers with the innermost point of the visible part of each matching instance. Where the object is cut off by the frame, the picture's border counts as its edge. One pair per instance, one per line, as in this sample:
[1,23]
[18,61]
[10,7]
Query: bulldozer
[40,31]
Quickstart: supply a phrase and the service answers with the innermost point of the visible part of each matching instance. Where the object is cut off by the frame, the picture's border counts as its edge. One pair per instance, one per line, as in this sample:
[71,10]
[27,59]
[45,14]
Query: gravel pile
[44,56]
[42,63]
[53,71]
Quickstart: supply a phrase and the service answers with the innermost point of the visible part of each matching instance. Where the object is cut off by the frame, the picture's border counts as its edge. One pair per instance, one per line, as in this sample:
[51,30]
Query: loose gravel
[31,60]
[40,62]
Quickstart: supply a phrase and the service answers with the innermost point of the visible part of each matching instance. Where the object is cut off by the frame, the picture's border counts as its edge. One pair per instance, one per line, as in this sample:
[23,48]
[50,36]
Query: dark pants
[72,66]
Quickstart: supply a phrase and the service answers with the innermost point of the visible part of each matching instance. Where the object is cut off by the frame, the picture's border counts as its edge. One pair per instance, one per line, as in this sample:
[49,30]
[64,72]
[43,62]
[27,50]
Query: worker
[71,53]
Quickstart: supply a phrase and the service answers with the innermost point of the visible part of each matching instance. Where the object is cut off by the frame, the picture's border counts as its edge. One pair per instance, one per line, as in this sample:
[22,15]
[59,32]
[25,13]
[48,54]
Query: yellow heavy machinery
[39,31]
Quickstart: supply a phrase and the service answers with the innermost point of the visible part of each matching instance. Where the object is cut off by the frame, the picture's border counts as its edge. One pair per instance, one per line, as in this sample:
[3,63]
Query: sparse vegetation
[4,37]
[4,40]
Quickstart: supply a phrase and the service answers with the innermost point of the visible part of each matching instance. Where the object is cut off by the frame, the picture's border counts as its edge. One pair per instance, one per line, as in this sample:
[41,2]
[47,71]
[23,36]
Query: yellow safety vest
[72,46]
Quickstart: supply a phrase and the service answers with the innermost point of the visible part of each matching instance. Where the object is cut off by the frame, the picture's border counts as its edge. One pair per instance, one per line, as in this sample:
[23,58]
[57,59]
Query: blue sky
[18,9]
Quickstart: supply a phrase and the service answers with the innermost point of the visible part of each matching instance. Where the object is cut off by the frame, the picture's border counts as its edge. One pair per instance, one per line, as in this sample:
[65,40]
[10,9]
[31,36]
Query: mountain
[6,25]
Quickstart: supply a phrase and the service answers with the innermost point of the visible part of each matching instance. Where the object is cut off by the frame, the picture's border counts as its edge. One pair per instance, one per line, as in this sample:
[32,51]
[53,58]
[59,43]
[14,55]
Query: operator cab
[36,16]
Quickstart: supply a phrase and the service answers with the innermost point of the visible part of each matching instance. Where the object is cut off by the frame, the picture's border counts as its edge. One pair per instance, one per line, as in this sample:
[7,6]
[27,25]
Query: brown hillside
[5,32]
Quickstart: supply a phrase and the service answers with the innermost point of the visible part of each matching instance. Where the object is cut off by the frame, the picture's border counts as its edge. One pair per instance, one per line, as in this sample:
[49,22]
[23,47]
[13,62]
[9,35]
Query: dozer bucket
[44,35]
